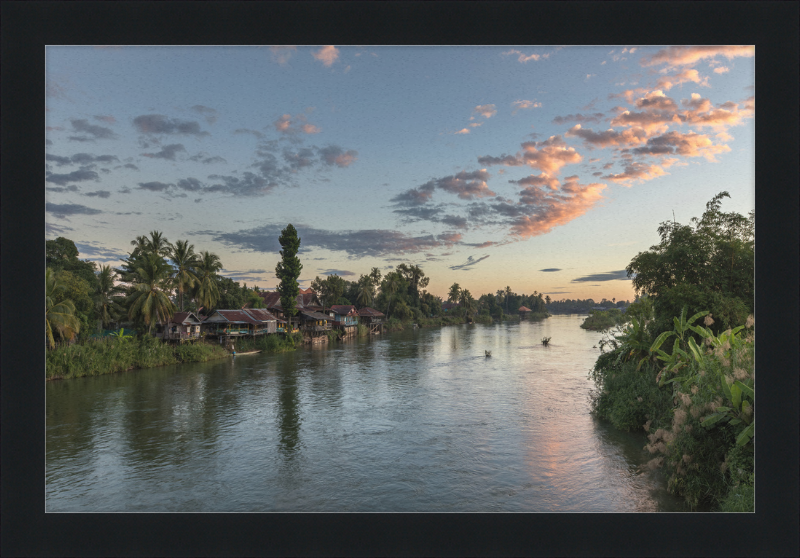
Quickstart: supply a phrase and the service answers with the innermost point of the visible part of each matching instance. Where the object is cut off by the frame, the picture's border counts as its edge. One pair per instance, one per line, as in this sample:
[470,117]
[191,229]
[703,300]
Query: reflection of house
[523,312]
[345,317]
[372,318]
[182,326]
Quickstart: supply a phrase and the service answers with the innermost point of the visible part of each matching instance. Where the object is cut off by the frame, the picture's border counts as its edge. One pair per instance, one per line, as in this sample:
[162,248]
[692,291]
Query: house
[345,317]
[231,323]
[314,326]
[449,306]
[267,322]
[523,312]
[372,318]
[306,300]
[182,326]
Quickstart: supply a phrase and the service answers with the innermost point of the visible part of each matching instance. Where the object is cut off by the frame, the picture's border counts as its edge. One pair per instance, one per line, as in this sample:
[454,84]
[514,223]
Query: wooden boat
[247,353]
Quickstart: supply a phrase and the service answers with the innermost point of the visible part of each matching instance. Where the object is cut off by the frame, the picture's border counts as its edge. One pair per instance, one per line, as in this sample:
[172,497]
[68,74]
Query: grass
[94,357]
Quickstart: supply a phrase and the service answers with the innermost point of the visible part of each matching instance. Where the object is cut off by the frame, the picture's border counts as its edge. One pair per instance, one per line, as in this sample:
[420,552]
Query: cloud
[248,185]
[506,160]
[628,137]
[721,70]
[209,113]
[462,131]
[415,196]
[99,194]
[689,55]
[284,125]
[607,276]
[167,152]
[466,185]
[545,209]
[703,115]
[299,159]
[471,261]
[525,58]
[687,145]
[685,76]
[94,132]
[75,176]
[160,124]
[335,155]
[543,179]
[310,129]
[550,269]
[327,55]
[282,54]
[131,166]
[585,118]
[155,186]
[356,243]
[80,159]
[548,156]
[63,210]
[107,119]
[339,272]
[487,111]
[95,252]
[636,172]
[524,105]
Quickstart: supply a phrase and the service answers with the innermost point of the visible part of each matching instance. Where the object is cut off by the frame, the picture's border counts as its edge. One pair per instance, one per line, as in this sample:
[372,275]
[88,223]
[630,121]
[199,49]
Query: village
[312,320]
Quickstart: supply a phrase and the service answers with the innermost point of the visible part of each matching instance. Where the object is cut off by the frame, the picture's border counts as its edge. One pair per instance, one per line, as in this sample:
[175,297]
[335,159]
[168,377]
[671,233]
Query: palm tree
[547,299]
[59,316]
[206,292]
[185,260]
[365,291]
[107,306]
[466,301]
[507,293]
[139,244]
[454,293]
[389,287]
[157,244]
[150,301]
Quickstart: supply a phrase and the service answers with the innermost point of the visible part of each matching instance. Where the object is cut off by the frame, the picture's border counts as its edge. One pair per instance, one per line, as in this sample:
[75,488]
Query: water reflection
[417,420]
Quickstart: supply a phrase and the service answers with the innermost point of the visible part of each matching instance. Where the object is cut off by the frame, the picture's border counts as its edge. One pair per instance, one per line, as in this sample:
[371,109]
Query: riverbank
[109,355]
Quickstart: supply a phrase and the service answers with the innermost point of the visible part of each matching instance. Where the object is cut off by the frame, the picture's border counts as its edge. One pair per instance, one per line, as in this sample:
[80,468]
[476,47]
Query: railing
[183,335]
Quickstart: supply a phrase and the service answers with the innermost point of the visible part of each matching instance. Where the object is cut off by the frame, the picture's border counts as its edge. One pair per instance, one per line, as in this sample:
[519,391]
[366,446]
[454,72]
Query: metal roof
[260,314]
[370,312]
[344,309]
[182,317]
[309,314]
[524,309]
[237,316]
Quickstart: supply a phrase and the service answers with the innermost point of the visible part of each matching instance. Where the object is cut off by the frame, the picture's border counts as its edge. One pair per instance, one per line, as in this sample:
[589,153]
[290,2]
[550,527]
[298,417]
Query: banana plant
[679,358]
[739,397]
[121,335]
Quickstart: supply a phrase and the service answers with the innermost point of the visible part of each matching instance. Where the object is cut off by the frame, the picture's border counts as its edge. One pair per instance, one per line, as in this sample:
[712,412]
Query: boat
[247,353]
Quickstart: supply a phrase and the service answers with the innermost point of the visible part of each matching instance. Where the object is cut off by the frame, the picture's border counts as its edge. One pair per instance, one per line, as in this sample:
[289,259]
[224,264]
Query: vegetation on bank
[600,320]
[107,355]
[690,384]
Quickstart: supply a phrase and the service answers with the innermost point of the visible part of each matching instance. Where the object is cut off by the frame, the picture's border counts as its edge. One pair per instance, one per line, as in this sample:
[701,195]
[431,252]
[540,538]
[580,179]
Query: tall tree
[59,313]
[454,293]
[157,244]
[106,305]
[149,302]
[206,290]
[288,270]
[184,260]
[547,299]
[507,294]
[466,301]
[366,291]
[389,287]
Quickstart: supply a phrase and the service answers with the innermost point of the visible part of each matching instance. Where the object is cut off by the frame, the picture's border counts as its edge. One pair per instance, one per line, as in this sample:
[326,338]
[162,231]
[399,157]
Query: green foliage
[288,270]
[184,260]
[739,499]
[206,287]
[60,316]
[599,320]
[149,301]
[232,295]
[329,290]
[272,343]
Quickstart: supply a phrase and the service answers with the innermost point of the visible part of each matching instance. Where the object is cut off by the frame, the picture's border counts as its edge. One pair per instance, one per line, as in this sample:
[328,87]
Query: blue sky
[539,167]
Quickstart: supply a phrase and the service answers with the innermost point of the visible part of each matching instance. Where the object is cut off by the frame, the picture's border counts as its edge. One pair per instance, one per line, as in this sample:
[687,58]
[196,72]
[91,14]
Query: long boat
[247,353]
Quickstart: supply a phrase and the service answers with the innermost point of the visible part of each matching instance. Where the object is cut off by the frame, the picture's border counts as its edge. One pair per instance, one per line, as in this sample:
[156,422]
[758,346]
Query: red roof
[368,312]
[260,314]
[237,316]
[523,309]
[182,317]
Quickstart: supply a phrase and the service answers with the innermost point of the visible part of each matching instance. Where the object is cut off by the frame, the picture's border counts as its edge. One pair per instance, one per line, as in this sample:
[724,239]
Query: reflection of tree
[288,412]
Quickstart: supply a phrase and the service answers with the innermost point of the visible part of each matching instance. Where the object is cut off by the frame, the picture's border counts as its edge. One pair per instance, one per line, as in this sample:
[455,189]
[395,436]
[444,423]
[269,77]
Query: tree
[547,299]
[288,270]
[454,293]
[184,260]
[507,294]
[59,312]
[106,305]
[157,244]
[330,289]
[366,291]
[389,287]
[206,291]
[149,302]
[467,302]
[61,254]
[705,266]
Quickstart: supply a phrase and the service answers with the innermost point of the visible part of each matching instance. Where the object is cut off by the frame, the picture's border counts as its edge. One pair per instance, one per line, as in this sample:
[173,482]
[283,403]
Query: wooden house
[345,317]
[267,322]
[523,312]
[314,326]
[372,318]
[182,326]
[230,323]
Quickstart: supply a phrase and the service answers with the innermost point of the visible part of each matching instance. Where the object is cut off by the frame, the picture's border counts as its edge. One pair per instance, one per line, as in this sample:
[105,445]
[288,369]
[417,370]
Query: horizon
[544,168]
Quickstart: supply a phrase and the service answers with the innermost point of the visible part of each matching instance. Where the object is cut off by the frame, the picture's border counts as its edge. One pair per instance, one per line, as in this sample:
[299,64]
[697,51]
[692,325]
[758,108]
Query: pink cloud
[462,131]
[524,105]
[310,129]
[688,55]
[525,58]
[687,145]
[636,172]
[282,54]
[721,70]
[703,115]
[327,55]
[685,76]
[487,111]
[554,208]
[467,185]
[543,179]
[282,124]
[628,137]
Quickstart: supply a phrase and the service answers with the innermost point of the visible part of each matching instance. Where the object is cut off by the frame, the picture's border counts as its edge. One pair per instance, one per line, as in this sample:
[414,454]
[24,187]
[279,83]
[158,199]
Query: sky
[542,168]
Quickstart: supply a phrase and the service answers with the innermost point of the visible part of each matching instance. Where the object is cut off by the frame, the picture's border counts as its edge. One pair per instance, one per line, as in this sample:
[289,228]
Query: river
[412,421]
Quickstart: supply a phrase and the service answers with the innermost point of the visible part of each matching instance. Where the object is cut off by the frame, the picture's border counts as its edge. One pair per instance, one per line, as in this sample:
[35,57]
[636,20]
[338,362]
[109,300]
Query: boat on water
[247,353]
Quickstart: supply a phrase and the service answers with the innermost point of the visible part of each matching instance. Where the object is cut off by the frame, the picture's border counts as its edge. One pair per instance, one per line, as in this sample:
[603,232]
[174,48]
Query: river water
[412,421]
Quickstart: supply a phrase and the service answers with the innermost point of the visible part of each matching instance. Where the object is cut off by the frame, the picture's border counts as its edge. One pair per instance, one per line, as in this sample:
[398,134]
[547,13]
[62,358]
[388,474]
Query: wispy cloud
[282,54]
[152,124]
[327,55]
[471,261]
[607,276]
[66,209]
[689,55]
[550,269]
